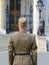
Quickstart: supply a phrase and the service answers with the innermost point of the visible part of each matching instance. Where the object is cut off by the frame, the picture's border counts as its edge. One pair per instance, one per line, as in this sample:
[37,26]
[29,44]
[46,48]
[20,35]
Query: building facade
[11,10]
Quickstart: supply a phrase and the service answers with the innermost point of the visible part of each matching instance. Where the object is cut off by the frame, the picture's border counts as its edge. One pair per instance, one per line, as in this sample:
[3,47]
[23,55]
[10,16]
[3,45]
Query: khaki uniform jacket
[22,42]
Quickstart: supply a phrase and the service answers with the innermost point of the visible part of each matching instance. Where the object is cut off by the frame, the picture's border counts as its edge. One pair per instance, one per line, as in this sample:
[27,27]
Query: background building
[10,11]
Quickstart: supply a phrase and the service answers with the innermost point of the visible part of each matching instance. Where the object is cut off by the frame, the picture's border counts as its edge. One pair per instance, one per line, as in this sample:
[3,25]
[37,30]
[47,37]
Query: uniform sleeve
[10,51]
[34,45]
[34,51]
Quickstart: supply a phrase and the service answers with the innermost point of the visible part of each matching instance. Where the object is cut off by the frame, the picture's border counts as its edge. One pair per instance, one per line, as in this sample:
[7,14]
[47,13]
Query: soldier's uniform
[19,47]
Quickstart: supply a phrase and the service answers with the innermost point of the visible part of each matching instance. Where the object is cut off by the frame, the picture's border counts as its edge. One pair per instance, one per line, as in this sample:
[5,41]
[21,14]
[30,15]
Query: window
[17,4]
[17,17]
[11,18]
[11,4]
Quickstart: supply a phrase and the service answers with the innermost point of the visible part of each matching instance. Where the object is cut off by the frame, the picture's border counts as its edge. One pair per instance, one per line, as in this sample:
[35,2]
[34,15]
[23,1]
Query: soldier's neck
[22,30]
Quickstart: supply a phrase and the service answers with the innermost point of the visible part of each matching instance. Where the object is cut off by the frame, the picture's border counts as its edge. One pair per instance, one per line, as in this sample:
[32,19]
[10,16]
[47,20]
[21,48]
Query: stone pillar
[2,16]
[35,17]
[41,43]
[7,15]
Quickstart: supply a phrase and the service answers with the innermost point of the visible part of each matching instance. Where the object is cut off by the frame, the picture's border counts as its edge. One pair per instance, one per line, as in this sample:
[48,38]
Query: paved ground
[43,58]
[4,41]
[4,57]
[4,48]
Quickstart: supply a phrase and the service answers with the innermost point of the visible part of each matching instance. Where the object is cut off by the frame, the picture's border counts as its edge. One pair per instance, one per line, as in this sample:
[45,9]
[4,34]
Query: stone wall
[2,16]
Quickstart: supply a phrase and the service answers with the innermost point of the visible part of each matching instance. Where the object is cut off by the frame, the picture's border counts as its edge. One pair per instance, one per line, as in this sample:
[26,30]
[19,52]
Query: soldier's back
[22,44]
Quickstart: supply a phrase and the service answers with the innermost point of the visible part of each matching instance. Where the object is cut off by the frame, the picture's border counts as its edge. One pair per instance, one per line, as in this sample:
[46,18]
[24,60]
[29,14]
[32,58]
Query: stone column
[35,17]
[2,16]
[7,15]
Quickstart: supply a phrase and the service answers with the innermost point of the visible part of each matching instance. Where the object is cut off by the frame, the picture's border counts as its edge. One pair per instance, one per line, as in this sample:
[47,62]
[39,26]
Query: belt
[22,53]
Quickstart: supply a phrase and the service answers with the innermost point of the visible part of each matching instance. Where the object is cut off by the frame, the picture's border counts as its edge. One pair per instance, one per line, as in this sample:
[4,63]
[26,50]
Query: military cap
[22,21]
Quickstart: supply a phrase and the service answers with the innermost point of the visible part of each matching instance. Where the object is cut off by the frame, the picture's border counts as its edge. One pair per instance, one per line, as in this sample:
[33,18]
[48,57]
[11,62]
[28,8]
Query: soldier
[21,45]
